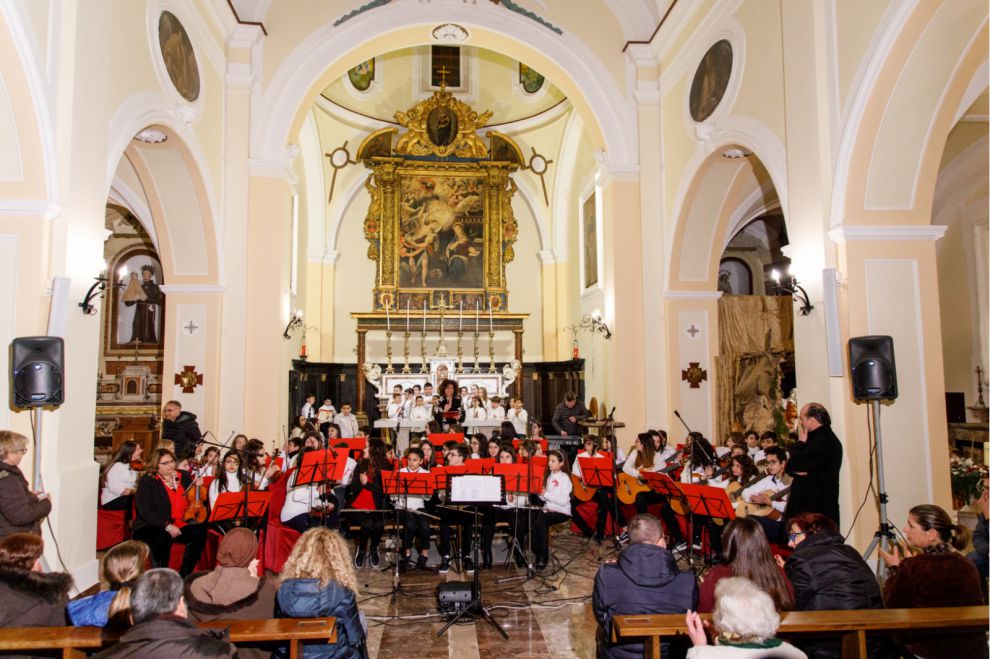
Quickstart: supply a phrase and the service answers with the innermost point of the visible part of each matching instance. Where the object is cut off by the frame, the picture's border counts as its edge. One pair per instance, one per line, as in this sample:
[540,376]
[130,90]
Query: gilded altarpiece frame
[440,224]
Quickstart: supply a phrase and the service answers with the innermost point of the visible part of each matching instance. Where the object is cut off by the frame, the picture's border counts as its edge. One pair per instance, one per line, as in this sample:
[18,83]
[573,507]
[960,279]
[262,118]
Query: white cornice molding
[876,233]
[328,257]
[172,289]
[46,209]
[642,55]
[690,295]
[274,168]
[550,256]
[240,76]
[647,94]
[609,174]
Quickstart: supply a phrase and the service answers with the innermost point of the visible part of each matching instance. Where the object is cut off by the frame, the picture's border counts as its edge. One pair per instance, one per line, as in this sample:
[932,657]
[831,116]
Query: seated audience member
[644,580]
[119,479]
[159,507]
[160,626]
[28,596]
[318,581]
[111,607]
[747,554]
[233,590]
[933,575]
[828,574]
[21,510]
[980,556]
[745,622]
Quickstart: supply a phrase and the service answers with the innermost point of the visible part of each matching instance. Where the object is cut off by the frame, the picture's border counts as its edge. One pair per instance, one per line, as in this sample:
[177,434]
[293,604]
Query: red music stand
[398,483]
[543,443]
[539,463]
[321,466]
[480,465]
[231,505]
[709,501]
[438,439]
[519,479]
[596,472]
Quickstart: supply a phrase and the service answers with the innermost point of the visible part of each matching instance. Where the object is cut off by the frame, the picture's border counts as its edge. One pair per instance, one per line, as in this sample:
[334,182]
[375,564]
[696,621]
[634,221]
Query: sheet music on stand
[475,489]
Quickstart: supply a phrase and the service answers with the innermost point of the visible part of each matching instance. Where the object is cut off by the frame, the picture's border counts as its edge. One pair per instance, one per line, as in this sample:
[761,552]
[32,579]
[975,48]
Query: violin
[137,465]
[196,510]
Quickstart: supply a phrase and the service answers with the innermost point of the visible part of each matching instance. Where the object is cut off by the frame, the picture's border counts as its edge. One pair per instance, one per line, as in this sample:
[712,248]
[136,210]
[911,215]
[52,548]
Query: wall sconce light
[294,322]
[96,290]
[792,288]
[593,322]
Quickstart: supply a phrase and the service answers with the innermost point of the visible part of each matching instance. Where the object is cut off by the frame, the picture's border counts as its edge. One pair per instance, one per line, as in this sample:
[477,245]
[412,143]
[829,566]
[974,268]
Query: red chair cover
[279,540]
[111,528]
[588,511]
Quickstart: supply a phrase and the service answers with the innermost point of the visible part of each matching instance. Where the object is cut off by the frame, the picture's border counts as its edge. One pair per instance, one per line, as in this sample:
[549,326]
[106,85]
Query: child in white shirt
[347,422]
[495,409]
[556,499]
[416,526]
[518,416]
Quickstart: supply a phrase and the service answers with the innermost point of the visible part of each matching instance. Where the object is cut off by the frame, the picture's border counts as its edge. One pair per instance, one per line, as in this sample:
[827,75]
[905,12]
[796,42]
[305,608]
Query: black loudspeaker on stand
[874,378]
[37,368]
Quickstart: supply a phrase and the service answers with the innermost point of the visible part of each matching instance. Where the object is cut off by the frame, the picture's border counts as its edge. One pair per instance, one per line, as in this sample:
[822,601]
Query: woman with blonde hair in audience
[318,581]
[21,510]
[744,624]
[111,608]
[934,574]
[747,554]
[28,596]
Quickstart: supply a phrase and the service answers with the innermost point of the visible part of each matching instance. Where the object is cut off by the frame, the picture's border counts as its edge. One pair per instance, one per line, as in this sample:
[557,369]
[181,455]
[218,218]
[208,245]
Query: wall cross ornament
[693,331]
[190,328]
[694,374]
[188,379]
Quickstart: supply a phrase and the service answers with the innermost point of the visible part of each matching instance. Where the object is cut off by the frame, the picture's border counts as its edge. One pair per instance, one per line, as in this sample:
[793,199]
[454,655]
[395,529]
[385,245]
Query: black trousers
[461,519]
[542,522]
[415,527]
[372,527]
[159,541]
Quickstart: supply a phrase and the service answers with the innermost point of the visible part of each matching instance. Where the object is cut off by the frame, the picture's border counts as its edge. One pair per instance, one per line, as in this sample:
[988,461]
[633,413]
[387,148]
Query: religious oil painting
[178,55]
[589,229]
[734,277]
[138,304]
[710,80]
[530,79]
[442,231]
[362,75]
[441,126]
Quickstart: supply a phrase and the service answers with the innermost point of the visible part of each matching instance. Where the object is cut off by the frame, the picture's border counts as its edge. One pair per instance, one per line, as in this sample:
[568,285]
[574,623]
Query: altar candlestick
[388,320]
[460,317]
[424,316]
[407,315]
[476,311]
[490,326]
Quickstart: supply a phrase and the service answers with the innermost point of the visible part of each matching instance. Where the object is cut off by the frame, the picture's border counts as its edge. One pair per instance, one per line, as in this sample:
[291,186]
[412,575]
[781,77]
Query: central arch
[606,109]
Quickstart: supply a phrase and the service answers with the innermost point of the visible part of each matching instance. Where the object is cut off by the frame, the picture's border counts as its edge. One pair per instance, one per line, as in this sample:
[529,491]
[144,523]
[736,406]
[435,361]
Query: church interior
[684,211]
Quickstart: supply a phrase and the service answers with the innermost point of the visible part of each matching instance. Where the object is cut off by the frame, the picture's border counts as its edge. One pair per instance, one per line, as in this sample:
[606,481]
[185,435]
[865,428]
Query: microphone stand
[615,479]
[693,461]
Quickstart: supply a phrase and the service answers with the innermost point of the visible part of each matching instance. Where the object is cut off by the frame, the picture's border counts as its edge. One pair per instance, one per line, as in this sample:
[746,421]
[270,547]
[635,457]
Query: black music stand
[458,496]
[710,501]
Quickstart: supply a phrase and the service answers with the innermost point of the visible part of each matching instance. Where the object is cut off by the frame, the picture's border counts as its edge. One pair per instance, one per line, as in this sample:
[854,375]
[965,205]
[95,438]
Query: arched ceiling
[490,82]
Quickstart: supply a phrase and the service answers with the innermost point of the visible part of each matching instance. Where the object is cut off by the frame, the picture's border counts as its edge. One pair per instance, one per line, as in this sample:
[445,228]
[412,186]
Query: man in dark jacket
[181,428]
[160,626]
[644,580]
[815,462]
[568,414]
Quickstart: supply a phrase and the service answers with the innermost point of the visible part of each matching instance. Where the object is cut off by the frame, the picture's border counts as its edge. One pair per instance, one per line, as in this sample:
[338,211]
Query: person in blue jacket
[644,580]
[318,581]
[111,607]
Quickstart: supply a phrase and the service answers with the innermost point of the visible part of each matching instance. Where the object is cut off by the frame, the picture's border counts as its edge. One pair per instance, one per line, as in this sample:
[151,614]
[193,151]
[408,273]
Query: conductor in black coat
[815,462]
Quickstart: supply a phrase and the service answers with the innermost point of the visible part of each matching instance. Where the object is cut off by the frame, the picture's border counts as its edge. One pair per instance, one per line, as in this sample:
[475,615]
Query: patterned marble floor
[544,617]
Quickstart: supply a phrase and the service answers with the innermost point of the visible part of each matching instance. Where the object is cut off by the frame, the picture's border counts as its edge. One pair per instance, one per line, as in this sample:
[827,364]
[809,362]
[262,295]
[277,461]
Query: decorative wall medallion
[179,57]
[694,374]
[450,33]
[710,80]
[693,331]
[530,79]
[188,379]
[190,328]
[362,75]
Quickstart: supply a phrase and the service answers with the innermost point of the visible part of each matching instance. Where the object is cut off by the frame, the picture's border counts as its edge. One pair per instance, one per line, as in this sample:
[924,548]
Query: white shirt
[576,469]
[326,413]
[519,419]
[120,477]
[348,425]
[476,414]
[348,470]
[421,412]
[307,411]
[394,408]
[629,467]
[233,485]
[410,501]
[496,411]
[756,453]
[771,483]
[557,493]
[301,500]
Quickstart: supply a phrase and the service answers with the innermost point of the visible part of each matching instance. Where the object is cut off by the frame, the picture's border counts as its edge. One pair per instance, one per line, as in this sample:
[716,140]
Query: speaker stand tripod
[884,535]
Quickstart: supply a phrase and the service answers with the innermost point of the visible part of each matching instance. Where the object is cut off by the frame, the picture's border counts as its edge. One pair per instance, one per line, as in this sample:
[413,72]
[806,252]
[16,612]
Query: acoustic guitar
[582,492]
[746,509]
[735,488]
[630,486]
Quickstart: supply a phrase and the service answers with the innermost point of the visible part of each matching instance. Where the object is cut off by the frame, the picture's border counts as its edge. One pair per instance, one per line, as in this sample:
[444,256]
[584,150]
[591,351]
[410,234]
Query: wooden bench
[77,642]
[850,626]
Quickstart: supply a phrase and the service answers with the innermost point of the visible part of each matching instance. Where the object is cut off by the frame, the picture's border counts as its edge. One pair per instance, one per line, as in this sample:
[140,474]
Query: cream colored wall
[857,26]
